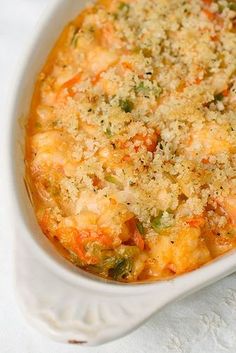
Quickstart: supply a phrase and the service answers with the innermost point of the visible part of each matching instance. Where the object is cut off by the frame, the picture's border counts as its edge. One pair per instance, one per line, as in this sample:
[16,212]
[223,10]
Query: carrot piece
[71,238]
[205,161]
[127,65]
[72,81]
[136,236]
[96,78]
[104,239]
[96,181]
[148,141]
[181,87]
[225,92]
[138,239]
[196,222]
[215,38]
[69,84]
[207,2]
[210,15]
[198,81]
[126,158]
[229,207]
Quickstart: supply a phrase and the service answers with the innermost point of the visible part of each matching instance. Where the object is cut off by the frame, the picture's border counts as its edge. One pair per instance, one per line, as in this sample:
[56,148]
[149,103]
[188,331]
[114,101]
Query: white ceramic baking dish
[59,299]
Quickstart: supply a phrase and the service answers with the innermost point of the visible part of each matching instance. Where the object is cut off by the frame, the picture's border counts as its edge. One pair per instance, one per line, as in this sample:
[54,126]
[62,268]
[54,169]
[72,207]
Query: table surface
[203,322]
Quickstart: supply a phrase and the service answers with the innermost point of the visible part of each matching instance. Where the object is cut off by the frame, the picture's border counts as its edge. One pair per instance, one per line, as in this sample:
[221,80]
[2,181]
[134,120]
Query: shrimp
[99,59]
[50,149]
[211,139]
[178,253]
[229,206]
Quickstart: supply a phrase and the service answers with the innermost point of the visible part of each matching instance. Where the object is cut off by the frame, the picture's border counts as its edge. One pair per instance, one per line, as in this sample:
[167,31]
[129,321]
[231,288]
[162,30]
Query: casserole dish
[93,311]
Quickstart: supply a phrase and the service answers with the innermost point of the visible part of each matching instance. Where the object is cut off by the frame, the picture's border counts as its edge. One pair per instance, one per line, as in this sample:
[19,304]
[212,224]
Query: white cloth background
[203,323]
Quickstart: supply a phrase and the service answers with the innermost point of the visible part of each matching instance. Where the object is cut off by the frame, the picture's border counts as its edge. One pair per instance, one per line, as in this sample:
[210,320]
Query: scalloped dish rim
[20,205]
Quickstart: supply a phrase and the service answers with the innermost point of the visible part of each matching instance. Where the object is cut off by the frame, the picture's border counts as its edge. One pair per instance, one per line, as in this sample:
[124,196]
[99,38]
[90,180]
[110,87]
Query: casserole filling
[131,138]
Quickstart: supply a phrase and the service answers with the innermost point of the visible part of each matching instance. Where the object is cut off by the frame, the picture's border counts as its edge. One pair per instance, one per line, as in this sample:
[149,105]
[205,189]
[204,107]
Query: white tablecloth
[203,323]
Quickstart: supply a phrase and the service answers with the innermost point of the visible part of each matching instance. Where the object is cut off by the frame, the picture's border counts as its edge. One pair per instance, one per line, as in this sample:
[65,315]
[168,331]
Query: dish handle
[73,314]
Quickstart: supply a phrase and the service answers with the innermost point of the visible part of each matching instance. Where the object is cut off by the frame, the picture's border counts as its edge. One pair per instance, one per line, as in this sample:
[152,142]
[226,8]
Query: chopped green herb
[124,7]
[74,258]
[115,16]
[220,8]
[106,264]
[141,88]
[54,123]
[111,179]
[158,91]
[122,269]
[113,263]
[156,222]
[147,53]
[91,29]
[218,97]
[140,228]
[126,105]
[137,50]
[108,132]
[55,192]
[232,6]
[127,251]
[231,233]
[38,125]
[74,38]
